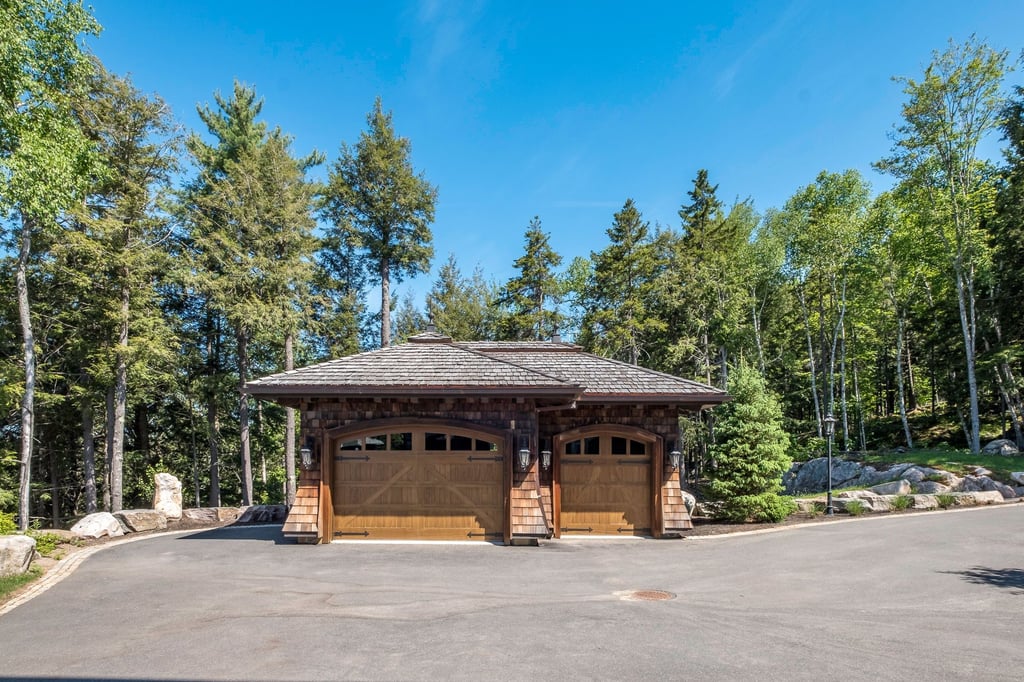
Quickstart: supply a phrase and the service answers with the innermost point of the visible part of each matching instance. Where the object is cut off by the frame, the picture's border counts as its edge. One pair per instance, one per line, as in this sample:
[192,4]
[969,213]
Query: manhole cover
[647,595]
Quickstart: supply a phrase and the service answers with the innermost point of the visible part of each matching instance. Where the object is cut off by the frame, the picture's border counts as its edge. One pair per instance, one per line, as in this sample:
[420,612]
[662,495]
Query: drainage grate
[648,595]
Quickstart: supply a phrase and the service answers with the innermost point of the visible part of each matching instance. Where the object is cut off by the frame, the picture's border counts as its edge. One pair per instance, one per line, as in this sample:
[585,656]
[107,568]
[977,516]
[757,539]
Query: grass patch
[855,508]
[10,583]
[952,460]
[902,502]
[945,500]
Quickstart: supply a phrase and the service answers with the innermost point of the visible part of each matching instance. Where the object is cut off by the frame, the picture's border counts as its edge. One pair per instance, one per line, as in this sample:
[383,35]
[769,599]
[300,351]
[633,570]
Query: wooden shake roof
[432,364]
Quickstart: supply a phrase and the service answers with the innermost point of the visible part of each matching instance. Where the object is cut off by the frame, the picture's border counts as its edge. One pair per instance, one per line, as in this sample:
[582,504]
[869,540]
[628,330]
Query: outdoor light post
[830,429]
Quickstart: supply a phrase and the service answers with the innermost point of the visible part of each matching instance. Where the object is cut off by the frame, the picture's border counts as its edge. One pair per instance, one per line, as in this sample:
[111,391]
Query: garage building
[496,441]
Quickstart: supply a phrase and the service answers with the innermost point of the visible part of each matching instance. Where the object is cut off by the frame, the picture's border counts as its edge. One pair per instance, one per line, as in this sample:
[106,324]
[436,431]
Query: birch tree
[948,112]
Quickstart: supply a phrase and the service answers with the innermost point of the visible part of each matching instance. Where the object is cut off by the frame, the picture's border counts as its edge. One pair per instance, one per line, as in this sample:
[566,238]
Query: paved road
[923,597]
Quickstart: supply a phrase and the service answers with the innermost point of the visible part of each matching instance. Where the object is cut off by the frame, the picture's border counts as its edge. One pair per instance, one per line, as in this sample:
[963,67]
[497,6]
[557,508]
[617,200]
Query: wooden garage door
[418,483]
[606,485]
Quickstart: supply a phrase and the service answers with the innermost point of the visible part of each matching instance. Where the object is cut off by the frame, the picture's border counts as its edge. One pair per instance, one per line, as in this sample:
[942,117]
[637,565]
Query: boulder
[689,500]
[1001,446]
[167,495]
[857,495]
[931,488]
[16,553]
[1019,490]
[139,520]
[228,514]
[872,503]
[98,525]
[1017,477]
[985,484]
[264,513]
[808,506]
[900,487]
[924,502]
[201,515]
[981,497]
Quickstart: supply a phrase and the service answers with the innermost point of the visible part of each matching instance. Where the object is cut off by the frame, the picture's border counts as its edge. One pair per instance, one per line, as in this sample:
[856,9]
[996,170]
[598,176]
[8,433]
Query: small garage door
[606,485]
[418,483]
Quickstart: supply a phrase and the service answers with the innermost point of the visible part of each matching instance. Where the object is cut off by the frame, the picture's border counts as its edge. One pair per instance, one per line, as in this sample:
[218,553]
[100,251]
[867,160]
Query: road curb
[878,517]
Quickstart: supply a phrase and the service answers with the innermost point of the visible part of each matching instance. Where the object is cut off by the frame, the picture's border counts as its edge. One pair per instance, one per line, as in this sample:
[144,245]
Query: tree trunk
[861,430]
[28,398]
[810,358]
[120,407]
[212,415]
[965,302]
[108,434]
[842,389]
[289,430]
[899,380]
[55,488]
[911,385]
[243,418]
[756,318]
[1012,405]
[88,456]
[385,303]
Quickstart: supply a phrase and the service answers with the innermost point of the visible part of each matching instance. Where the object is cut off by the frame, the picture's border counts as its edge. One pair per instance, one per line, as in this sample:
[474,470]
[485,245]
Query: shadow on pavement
[1006,578]
[242,532]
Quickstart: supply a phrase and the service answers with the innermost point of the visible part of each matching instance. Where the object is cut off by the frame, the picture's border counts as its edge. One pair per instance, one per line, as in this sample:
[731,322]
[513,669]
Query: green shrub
[902,502]
[945,500]
[751,453]
[46,543]
[7,525]
[855,508]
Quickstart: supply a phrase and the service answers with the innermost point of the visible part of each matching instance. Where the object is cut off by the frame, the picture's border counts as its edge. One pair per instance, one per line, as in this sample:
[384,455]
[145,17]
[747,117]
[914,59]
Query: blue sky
[563,109]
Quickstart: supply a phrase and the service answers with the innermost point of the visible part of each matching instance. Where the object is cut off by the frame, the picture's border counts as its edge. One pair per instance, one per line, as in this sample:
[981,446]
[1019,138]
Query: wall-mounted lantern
[523,456]
[675,457]
[306,453]
[545,459]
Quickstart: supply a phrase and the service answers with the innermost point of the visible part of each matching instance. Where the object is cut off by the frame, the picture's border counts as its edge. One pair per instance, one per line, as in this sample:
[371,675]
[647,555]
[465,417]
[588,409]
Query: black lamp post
[830,429]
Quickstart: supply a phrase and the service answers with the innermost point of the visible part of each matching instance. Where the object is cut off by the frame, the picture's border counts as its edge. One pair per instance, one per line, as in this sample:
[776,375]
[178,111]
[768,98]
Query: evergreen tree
[619,296]
[408,321]
[529,301]
[461,307]
[375,201]
[45,161]
[251,235]
[751,452]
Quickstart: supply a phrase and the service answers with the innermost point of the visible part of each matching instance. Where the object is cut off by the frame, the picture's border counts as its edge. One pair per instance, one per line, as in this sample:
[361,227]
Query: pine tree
[529,301]
[751,452]
[619,296]
[251,235]
[375,201]
[461,307]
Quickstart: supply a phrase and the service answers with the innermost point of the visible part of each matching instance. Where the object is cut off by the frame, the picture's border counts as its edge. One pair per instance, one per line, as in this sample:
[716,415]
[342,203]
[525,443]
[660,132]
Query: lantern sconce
[306,453]
[545,456]
[523,456]
[675,457]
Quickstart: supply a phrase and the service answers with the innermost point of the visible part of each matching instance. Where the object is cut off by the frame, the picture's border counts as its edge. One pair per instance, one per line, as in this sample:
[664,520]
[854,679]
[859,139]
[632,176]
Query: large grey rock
[924,502]
[986,484]
[812,475]
[976,498]
[872,503]
[98,525]
[16,552]
[900,487]
[689,500]
[931,488]
[1017,477]
[857,494]
[264,513]
[139,520]
[200,515]
[167,495]
[1001,446]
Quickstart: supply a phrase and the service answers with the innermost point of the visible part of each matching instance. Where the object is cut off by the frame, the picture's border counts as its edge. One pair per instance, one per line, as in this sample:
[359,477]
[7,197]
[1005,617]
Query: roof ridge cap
[518,366]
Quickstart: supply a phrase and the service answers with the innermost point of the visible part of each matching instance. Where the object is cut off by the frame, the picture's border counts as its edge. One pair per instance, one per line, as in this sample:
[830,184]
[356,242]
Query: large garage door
[418,483]
[606,486]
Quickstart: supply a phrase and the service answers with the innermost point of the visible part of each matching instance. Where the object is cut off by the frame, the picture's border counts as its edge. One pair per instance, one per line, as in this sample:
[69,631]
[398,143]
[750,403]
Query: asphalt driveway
[921,597]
